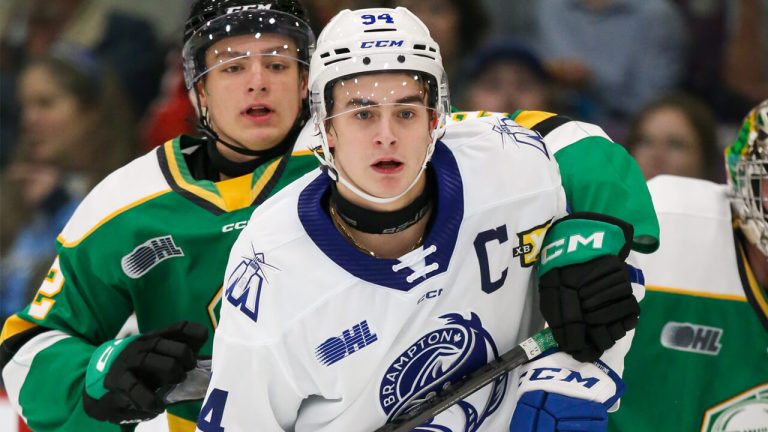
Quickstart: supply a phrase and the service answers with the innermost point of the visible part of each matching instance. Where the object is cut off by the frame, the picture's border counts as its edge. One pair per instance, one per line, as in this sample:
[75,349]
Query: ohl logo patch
[350,341]
[691,337]
[244,285]
[149,254]
[436,359]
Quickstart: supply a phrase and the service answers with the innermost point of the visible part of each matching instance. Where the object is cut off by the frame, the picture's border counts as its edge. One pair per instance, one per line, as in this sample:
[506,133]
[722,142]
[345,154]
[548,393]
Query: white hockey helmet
[369,41]
[747,166]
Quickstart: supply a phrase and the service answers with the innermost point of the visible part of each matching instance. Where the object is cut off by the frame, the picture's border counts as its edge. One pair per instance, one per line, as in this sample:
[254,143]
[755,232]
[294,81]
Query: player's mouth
[257,112]
[388,166]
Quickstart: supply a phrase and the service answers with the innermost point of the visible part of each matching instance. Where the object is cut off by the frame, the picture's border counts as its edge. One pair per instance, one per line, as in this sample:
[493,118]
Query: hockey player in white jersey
[364,288]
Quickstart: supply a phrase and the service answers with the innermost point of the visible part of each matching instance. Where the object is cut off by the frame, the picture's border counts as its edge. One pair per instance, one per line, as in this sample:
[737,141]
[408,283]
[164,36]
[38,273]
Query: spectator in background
[726,61]
[746,67]
[321,11]
[618,55]
[506,75]
[76,128]
[172,113]
[676,135]
[124,42]
[458,26]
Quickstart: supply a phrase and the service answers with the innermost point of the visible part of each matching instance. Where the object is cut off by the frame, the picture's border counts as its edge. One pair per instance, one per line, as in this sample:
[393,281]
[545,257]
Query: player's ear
[433,120]
[330,134]
[200,87]
[304,84]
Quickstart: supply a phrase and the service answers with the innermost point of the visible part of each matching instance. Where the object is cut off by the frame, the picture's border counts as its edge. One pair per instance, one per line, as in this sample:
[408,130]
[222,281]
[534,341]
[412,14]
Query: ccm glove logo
[555,249]
[559,374]
[104,358]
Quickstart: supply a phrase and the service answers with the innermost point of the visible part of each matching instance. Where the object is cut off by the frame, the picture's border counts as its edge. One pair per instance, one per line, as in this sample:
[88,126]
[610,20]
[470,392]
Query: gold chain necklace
[340,225]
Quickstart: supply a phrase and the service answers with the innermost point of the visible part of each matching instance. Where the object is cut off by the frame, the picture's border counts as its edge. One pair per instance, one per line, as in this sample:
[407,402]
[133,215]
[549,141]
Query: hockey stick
[525,351]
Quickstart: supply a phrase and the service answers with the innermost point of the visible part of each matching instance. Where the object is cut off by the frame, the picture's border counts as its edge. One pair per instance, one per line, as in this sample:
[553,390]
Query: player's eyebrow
[230,54]
[362,102]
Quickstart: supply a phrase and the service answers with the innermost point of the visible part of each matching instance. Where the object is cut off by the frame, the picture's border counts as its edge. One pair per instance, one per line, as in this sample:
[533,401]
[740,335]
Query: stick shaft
[474,381]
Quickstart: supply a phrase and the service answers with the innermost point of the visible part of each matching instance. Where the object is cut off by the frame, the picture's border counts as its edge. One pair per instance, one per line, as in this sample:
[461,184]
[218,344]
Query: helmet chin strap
[331,170]
[329,167]
[379,200]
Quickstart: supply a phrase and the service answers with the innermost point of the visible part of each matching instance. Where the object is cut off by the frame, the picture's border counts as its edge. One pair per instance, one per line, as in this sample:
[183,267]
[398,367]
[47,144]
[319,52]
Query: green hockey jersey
[149,239]
[152,240]
[698,361]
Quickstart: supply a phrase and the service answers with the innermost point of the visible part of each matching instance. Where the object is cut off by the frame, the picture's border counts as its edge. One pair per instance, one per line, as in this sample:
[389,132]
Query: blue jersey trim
[442,234]
[635,274]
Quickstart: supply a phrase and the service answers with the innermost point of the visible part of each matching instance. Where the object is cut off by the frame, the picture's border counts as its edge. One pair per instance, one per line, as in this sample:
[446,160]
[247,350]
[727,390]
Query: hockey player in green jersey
[153,238]
[698,362]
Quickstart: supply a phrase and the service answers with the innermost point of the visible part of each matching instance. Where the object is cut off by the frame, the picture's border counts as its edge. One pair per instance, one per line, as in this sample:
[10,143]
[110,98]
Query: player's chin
[263,137]
[389,187]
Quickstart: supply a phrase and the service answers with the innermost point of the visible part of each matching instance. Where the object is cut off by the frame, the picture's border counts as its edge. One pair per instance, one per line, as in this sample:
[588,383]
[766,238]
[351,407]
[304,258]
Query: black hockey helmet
[212,20]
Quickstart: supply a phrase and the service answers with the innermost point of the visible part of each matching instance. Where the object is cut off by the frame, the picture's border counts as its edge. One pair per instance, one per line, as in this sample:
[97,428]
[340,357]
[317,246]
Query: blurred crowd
[86,85]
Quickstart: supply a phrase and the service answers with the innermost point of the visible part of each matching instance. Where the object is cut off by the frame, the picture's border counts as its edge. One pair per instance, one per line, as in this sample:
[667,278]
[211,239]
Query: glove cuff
[582,237]
[560,373]
[101,360]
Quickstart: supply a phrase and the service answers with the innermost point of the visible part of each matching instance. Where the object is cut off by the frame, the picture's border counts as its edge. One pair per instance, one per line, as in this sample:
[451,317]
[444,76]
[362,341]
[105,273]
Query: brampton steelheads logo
[507,128]
[436,359]
[245,282]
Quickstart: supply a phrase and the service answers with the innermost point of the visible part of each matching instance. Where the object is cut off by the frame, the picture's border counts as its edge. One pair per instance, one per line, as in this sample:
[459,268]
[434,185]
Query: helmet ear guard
[375,41]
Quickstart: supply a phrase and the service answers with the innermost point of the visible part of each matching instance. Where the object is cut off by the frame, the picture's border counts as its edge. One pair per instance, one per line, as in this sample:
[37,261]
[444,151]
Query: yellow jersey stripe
[73,243]
[264,179]
[178,424]
[234,191]
[173,166]
[529,119]
[13,326]
[731,297]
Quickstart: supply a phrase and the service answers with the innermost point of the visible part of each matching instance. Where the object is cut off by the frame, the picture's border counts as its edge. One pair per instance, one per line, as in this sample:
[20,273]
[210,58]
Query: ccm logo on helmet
[248,7]
[382,44]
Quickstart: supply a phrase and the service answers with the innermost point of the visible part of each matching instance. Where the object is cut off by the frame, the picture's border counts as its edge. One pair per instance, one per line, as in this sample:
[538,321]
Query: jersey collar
[222,196]
[443,234]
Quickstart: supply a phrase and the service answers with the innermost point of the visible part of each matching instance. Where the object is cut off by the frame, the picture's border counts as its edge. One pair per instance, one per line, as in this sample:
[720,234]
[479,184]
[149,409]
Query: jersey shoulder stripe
[558,131]
[132,185]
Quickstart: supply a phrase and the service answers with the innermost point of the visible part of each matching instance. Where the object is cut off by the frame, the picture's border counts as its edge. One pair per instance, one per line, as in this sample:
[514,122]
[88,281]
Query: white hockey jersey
[318,336]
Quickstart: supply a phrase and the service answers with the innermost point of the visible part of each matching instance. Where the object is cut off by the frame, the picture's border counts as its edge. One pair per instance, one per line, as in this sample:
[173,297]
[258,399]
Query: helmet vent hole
[325,54]
[420,47]
[342,51]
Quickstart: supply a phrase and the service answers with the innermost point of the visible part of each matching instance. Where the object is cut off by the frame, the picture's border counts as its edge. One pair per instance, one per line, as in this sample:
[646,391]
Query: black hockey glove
[127,378]
[584,285]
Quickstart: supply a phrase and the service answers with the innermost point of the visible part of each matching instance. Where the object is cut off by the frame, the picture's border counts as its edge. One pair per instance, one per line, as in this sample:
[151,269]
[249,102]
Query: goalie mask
[364,43]
[747,166]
